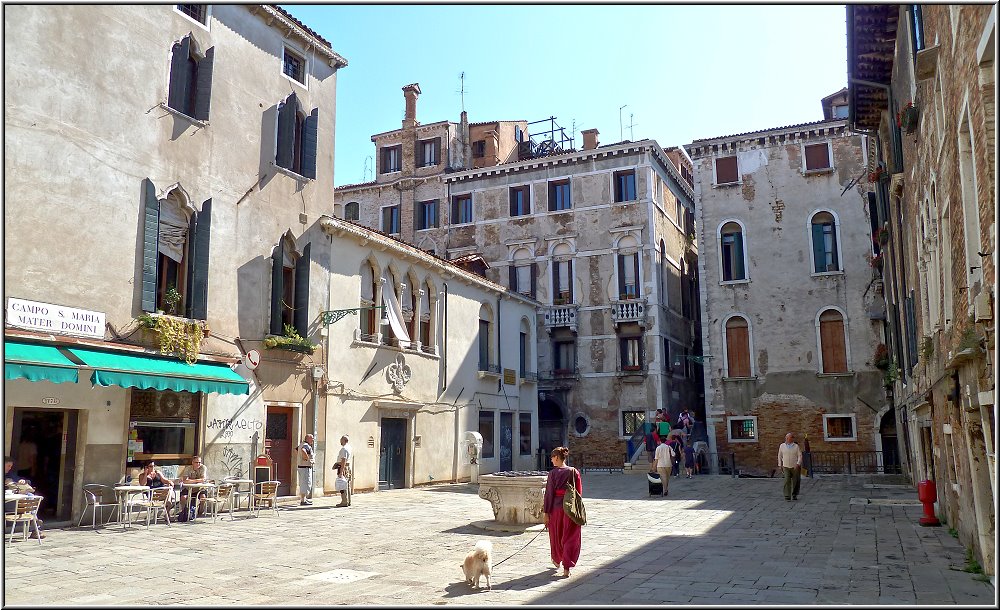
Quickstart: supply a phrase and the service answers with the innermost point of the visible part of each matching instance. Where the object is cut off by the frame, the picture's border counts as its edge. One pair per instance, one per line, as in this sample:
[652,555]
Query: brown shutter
[638,282]
[569,278]
[437,151]
[726,170]
[738,348]
[420,153]
[831,337]
[817,156]
[512,277]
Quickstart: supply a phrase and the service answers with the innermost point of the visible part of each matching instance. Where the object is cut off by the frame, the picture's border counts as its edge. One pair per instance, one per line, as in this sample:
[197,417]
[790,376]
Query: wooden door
[278,444]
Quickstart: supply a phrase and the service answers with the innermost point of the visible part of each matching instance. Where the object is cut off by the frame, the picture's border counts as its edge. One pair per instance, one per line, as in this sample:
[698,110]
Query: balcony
[528,377]
[561,315]
[489,370]
[632,373]
[629,310]
[559,374]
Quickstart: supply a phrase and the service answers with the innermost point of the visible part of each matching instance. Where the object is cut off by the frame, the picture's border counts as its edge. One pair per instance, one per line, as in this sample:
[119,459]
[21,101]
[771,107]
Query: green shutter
[178,86]
[739,269]
[199,263]
[189,255]
[301,316]
[276,289]
[309,144]
[285,132]
[203,91]
[819,249]
[150,244]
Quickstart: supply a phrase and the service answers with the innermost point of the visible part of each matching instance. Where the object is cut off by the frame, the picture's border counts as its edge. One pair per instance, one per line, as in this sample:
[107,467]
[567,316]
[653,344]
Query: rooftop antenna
[631,124]
[367,171]
[461,91]
[621,130]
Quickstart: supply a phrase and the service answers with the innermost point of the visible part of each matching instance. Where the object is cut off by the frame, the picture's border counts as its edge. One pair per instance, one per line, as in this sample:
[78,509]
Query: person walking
[344,461]
[688,458]
[676,446]
[664,458]
[790,463]
[564,535]
[307,461]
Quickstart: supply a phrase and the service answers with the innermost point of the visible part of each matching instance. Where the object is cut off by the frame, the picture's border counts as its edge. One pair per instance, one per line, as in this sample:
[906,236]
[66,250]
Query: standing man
[307,460]
[790,462]
[664,458]
[344,460]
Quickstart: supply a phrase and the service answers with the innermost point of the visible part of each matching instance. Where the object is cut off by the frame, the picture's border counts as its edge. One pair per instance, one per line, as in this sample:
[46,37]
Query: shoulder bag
[573,503]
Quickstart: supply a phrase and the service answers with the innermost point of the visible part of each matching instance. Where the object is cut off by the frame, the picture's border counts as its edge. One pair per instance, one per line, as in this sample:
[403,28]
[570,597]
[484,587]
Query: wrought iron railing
[530,376]
[572,373]
[489,368]
[852,462]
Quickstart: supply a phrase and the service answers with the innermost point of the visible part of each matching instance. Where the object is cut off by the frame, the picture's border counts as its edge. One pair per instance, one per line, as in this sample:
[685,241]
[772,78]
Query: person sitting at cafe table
[19,486]
[195,473]
[153,478]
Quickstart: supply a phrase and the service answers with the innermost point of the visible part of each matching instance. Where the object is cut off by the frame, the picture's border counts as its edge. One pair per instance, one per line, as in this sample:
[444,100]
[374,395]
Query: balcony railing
[629,310]
[561,315]
[552,375]
[489,369]
[529,376]
[626,371]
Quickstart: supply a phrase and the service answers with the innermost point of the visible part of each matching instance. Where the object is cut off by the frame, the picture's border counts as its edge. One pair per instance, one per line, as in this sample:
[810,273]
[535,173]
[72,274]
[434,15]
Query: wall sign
[252,359]
[55,318]
[510,376]
[50,401]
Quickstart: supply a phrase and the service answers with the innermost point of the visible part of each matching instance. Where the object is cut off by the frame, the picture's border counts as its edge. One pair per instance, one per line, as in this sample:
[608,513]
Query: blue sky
[684,72]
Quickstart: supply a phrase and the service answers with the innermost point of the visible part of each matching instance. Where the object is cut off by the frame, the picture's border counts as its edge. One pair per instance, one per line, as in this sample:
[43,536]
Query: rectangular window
[427,214]
[522,279]
[667,365]
[428,151]
[198,12]
[625,186]
[559,196]
[479,149]
[392,158]
[817,156]
[167,423]
[487,425]
[679,213]
[461,209]
[484,345]
[840,112]
[631,353]
[659,190]
[390,219]
[632,422]
[524,433]
[294,66]
[742,429]
[522,347]
[628,274]
[562,282]
[839,428]
[732,257]
[726,170]
[564,357]
[520,200]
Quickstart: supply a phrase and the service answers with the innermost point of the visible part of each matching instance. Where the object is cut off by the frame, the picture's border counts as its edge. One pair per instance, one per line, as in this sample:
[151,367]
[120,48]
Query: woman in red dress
[564,535]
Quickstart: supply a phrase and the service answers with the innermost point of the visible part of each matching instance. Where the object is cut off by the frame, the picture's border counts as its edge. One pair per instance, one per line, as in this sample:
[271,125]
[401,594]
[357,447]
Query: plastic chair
[25,512]
[95,494]
[223,498]
[268,494]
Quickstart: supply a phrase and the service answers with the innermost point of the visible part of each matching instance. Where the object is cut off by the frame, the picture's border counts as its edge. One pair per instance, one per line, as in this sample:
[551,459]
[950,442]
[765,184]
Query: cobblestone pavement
[714,540]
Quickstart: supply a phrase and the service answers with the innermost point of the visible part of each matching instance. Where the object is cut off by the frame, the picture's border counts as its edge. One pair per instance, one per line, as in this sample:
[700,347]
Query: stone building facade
[410,406]
[783,239]
[181,174]
[923,86]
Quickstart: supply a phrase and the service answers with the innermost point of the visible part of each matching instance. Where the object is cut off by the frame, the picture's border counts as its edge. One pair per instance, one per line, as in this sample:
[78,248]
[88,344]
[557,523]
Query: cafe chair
[223,498]
[239,494]
[98,498]
[268,494]
[155,504]
[26,513]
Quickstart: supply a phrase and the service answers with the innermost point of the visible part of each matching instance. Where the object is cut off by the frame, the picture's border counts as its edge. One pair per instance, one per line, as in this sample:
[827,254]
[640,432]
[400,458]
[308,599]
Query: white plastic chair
[95,495]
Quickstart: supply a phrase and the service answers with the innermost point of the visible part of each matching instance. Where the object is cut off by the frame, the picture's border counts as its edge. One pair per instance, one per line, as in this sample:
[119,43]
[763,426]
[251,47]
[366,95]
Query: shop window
[166,426]
[839,428]
[742,429]
[487,426]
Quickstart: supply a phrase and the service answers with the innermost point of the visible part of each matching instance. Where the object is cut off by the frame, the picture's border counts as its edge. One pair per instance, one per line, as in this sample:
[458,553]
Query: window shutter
[386,220]
[623,351]
[301,316]
[621,276]
[819,249]
[384,161]
[150,244]
[199,263]
[203,90]
[512,196]
[552,197]
[512,277]
[911,332]
[192,247]
[180,53]
[817,156]
[276,290]
[833,246]
[739,269]
[285,133]
[437,151]
[726,170]
[534,280]
[309,144]
[419,146]
[569,279]
[638,283]
[738,350]
[555,280]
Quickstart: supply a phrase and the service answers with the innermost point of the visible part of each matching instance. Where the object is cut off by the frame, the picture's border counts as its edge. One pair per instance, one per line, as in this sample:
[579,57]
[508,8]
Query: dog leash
[522,548]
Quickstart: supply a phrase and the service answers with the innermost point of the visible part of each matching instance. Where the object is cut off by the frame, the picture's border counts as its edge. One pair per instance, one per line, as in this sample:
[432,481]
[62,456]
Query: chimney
[411,93]
[590,139]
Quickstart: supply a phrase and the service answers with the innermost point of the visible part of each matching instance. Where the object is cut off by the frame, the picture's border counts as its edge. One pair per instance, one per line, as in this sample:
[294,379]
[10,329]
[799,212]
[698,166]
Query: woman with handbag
[564,533]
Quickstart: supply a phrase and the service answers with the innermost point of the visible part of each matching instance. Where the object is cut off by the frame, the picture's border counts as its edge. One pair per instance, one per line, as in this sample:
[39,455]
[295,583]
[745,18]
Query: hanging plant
[891,374]
[906,118]
[875,175]
[292,341]
[882,235]
[176,335]
[926,347]
[881,360]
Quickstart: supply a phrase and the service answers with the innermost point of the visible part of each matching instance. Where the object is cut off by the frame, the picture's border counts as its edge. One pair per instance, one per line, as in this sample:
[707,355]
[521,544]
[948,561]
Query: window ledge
[290,173]
[297,82]
[825,273]
[742,440]
[727,184]
[841,440]
[733,282]
[626,202]
[752,377]
[817,171]
[427,229]
[190,119]
[562,211]
[847,374]
[392,171]
[462,224]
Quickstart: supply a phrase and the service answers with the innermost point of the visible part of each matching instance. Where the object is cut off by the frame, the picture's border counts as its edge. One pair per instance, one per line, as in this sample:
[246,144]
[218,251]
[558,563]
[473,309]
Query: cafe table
[234,498]
[126,493]
[193,497]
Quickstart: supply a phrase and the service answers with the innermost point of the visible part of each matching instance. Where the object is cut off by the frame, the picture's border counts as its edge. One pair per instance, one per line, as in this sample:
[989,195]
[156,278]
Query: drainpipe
[444,340]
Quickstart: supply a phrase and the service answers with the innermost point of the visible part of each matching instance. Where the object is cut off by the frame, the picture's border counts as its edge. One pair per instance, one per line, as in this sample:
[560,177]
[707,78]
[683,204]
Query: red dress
[564,535]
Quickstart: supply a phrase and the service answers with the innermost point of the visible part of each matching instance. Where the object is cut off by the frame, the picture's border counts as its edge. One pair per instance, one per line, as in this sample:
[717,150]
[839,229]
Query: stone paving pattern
[714,540]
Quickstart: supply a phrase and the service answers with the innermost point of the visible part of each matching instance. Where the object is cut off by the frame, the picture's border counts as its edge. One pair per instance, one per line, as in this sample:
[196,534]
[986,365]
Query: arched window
[368,316]
[825,248]
[352,211]
[289,287]
[628,268]
[485,328]
[388,335]
[733,252]
[295,138]
[737,347]
[833,346]
[522,272]
[524,349]
[172,255]
[190,88]
[427,303]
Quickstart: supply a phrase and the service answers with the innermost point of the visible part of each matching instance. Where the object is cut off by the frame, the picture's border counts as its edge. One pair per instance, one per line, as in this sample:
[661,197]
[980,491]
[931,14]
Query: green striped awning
[37,363]
[146,372]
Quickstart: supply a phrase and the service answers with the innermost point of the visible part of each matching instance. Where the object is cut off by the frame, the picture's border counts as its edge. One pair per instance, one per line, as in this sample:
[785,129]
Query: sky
[682,72]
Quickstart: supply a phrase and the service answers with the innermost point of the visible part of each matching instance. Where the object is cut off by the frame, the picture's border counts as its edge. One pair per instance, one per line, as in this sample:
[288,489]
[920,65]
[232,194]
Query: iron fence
[852,462]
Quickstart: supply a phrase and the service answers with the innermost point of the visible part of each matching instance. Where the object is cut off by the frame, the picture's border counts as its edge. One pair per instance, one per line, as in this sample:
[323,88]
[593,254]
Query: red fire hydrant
[927,494]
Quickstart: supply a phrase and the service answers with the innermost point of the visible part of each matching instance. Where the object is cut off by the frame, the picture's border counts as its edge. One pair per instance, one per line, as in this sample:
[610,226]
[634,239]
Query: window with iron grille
[294,66]
[632,422]
[817,156]
[625,186]
[631,353]
[742,429]
[726,170]
[838,428]
[198,12]
[559,196]
[461,209]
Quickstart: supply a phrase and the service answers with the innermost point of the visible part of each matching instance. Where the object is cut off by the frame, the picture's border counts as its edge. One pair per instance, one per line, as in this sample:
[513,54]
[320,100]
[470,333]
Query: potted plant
[292,341]
[881,360]
[175,335]
[875,175]
[172,298]
[906,118]
[926,347]
[882,235]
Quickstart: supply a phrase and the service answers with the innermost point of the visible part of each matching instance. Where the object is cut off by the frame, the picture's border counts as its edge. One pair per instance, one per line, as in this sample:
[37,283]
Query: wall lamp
[695,359]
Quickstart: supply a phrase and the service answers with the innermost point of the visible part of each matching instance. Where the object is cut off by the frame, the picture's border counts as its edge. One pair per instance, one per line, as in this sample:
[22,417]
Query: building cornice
[276,17]
[752,139]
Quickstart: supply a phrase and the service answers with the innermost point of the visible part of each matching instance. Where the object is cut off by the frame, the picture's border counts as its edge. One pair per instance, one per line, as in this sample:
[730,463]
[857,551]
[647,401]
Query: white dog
[479,562]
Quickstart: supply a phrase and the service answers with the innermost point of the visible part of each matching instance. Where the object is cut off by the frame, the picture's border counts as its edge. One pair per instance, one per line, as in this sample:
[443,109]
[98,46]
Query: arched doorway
[890,450]
[551,427]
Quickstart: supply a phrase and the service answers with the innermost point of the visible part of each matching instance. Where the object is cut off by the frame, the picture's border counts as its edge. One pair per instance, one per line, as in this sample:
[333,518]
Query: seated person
[195,473]
[153,478]
[21,486]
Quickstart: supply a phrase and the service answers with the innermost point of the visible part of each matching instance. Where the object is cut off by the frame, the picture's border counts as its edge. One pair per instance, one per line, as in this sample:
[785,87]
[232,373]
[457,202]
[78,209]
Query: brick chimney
[590,139]
[411,93]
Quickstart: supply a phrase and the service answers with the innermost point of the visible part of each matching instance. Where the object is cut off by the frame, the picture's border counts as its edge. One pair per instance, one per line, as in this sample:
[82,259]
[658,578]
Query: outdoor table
[193,496]
[234,498]
[125,492]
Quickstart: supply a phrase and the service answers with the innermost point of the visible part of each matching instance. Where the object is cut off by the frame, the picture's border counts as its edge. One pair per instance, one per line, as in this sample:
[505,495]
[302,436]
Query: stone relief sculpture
[533,502]
[491,494]
[398,374]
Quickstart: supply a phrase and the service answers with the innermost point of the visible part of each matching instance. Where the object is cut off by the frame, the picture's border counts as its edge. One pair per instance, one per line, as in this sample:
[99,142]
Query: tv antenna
[631,124]
[621,130]
[367,171]
[461,91]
